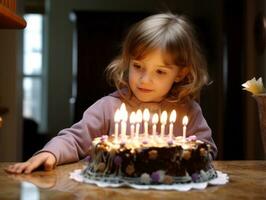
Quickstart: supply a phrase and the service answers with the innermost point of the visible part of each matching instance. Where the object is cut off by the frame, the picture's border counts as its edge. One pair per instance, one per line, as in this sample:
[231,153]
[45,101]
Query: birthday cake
[152,160]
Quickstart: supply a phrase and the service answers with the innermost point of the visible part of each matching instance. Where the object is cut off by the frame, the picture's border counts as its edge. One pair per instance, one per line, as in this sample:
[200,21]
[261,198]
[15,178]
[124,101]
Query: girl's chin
[146,99]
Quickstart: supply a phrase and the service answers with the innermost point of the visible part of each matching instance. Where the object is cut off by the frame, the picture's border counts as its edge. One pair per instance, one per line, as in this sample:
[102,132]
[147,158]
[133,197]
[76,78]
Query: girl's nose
[145,78]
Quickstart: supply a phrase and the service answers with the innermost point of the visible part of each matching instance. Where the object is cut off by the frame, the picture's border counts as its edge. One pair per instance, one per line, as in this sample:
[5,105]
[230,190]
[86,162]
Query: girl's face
[150,78]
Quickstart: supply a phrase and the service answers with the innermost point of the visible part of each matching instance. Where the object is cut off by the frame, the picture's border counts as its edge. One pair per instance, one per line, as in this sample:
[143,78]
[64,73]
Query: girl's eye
[160,72]
[136,65]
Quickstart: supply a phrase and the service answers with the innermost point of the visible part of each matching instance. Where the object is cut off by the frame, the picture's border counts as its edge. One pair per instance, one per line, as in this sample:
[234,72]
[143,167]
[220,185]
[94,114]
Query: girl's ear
[182,74]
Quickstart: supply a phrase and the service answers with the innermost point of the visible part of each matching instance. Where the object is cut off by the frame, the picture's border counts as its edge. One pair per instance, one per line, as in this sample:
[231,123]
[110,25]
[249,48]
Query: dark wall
[234,108]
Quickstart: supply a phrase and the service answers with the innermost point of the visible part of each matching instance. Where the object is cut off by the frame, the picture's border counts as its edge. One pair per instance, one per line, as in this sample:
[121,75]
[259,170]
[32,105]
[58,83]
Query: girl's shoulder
[110,99]
[188,105]
[193,106]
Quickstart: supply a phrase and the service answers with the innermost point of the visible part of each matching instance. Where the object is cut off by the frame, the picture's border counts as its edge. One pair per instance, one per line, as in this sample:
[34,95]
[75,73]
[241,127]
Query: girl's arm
[74,143]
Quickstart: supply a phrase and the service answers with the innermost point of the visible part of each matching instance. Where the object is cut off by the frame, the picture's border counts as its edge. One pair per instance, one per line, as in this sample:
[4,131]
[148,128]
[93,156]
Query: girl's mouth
[144,90]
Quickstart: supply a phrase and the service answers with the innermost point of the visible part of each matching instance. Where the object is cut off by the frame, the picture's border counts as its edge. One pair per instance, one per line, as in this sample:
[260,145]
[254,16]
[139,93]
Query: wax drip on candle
[146,118]
[132,120]
[172,121]
[155,119]
[117,120]
[184,122]
[163,120]
[138,121]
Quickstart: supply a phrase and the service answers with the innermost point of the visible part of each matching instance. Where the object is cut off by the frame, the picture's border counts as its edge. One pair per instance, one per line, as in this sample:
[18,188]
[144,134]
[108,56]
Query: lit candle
[163,120]
[132,120]
[171,126]
[146,118]
[124,116]
[184,122]
[116,119]
[138,121]
[155,119]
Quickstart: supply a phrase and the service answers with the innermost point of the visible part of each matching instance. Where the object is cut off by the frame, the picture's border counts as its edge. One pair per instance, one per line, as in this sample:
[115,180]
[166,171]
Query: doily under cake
[115,182]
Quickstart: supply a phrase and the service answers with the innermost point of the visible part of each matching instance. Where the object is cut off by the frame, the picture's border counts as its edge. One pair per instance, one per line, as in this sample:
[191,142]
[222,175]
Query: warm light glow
[146,115]
[172,116]
[117,116]
[155,118]
[116,119]
[185,120]
[123,106]
[138,121]
[132,118]
[163,118]
[135,120]
[123,112]
[171,126]
[139,116]
[124,116]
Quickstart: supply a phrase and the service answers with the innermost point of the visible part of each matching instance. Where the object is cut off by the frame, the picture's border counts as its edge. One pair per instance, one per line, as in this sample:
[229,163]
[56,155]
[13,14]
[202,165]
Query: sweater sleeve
[72,144]
[199,127]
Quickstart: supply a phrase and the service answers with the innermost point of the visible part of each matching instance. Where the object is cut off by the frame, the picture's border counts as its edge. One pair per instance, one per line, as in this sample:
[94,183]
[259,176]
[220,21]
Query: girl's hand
[46,159]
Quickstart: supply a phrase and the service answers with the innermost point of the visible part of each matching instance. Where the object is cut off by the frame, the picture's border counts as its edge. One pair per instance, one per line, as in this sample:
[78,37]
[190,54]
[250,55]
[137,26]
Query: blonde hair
[175,36]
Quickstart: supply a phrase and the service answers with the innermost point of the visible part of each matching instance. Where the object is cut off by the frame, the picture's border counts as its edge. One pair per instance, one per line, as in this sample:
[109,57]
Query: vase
[261,102]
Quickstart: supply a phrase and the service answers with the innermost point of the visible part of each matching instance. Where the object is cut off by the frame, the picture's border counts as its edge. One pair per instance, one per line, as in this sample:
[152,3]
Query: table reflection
[248,176]
[29,191]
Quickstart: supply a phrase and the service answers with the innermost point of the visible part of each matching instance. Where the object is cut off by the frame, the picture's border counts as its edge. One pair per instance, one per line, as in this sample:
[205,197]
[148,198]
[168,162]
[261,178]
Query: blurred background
[52,70]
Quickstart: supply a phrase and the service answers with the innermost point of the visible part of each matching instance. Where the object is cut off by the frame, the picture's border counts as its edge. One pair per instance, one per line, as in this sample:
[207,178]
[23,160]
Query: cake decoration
[143,158]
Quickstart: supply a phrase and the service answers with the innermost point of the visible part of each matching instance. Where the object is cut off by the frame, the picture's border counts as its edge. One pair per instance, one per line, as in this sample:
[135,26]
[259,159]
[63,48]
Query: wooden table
[247,181]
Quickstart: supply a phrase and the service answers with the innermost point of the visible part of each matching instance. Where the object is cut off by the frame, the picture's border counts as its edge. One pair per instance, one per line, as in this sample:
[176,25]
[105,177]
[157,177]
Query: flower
[254,86]
[145,178]
[157,176]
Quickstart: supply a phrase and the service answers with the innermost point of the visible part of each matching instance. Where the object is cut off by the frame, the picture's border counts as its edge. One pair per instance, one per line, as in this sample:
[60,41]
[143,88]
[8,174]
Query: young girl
[160,68]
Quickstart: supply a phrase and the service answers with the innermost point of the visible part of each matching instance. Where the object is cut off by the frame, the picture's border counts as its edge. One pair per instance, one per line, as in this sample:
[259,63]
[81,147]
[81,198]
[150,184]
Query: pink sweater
[72,144]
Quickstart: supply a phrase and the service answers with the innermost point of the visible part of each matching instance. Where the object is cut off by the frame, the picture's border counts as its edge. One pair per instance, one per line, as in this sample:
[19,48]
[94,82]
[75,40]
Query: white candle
[155,119]
[138,121]
[132,120]
[116,119]
[146,118]
[184,122]
[124,116]
[171,126]
[163,120]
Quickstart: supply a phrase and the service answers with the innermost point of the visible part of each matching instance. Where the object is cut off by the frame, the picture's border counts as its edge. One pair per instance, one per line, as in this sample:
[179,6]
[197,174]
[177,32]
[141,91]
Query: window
[33,71]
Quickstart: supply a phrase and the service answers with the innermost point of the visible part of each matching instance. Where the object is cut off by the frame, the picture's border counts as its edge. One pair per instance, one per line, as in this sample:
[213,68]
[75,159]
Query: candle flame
[185,120]
[123,112]
[139,116]
[146,115]
[163,118]
[123,107]
[132,118]
[155,118]
[172,116]
[117,115]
